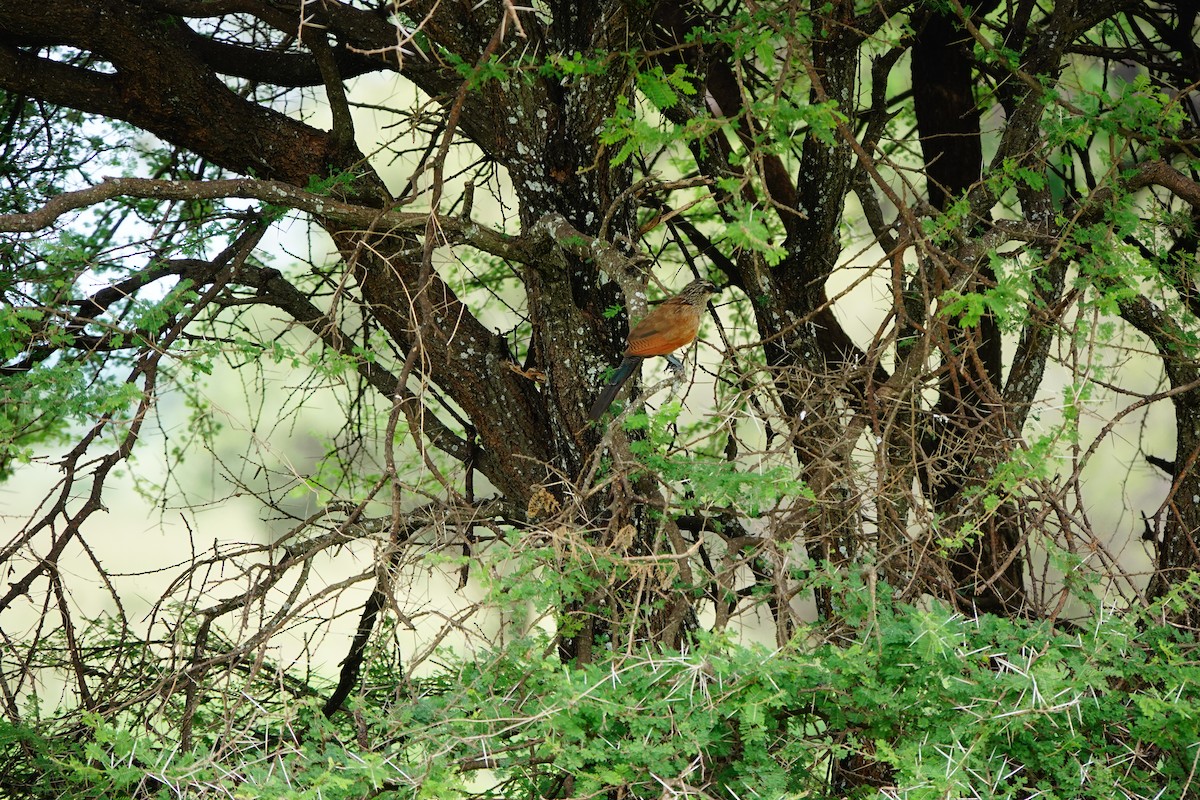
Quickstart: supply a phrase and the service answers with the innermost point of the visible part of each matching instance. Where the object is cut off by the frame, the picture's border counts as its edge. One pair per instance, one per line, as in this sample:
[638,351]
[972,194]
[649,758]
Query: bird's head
[698,291]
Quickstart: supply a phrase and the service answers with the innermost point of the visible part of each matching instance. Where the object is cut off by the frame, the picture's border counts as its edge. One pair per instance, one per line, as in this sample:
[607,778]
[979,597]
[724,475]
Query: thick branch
[162,85]
[1160,173]
[276,68]
[276,193]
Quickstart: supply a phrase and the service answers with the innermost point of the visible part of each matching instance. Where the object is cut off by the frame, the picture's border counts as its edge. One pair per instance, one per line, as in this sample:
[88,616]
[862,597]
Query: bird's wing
[668,328]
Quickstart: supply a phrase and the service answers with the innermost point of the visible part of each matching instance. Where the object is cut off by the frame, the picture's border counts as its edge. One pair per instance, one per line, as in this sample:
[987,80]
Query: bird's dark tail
[610,390]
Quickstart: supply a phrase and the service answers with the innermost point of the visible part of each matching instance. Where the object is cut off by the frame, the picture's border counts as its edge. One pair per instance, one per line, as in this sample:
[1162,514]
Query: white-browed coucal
[670,326]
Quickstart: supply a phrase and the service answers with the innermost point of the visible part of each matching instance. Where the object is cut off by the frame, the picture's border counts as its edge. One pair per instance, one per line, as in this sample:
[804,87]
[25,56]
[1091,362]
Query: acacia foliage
[1011,187]
[926,703]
